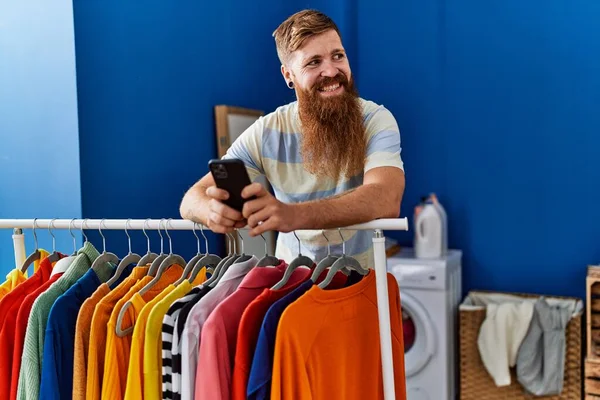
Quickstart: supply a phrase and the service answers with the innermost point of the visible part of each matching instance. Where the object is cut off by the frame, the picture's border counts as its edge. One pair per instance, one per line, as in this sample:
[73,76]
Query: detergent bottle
[444,216]
[428,232]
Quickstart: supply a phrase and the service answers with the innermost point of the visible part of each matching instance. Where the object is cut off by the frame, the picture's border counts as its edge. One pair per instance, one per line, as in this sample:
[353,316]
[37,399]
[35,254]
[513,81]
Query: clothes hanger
[324,263]
[149,256]
[237,258]
[104,257]
[169,260]
[55,256]
[189,267]
[128,259]
[267,260]
[160,257]
[243,257]
[209,260]
[229,259]
[300,261]
[344,261]
[35,256]
[64,263]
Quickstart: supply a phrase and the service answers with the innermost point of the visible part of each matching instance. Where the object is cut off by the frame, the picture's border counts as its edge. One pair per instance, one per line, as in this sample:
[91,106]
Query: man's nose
[329,70]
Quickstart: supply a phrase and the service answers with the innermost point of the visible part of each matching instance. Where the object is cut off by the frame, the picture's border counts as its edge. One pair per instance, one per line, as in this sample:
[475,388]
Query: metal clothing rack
[379,255]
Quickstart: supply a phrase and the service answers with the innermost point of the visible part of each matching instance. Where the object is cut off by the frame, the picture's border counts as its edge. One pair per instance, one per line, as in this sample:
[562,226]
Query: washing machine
[430,294]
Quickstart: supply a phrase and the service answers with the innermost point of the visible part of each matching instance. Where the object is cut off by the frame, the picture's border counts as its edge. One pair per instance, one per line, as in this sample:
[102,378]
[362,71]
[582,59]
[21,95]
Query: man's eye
[338,56]
[313,63]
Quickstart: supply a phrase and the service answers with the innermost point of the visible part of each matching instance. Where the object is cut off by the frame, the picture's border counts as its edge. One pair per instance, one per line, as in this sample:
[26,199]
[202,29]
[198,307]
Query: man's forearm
[365,203]
[194,205]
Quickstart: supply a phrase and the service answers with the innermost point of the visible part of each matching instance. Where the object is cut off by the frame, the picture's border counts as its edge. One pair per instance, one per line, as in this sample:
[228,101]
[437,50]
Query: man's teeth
[330,88]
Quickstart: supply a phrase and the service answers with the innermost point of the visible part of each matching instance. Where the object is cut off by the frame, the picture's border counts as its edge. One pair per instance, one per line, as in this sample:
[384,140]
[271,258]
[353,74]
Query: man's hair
[294,31]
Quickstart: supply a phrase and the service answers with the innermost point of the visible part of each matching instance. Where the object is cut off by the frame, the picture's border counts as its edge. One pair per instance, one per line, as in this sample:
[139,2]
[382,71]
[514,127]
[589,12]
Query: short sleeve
[248,148]
[383,146]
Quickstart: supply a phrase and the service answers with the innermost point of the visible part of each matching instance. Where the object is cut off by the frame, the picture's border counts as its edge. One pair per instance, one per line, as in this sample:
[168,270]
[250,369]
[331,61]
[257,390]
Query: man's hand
[266,213]
[222,218]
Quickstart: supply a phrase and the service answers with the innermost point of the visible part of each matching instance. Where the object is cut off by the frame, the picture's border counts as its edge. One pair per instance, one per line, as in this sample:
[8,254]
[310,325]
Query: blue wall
[148,82]
[498,107]
[39,142]
[495,103]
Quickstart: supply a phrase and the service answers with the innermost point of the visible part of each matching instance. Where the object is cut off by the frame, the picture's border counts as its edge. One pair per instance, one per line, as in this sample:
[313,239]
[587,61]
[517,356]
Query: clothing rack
[379,255]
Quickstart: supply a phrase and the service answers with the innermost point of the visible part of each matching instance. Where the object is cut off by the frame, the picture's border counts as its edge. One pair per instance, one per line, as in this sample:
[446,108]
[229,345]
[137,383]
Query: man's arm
[202,203]
[379,196]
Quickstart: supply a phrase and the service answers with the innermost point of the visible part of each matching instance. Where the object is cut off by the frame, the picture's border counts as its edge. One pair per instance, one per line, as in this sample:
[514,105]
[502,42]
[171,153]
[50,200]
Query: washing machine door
[419,335]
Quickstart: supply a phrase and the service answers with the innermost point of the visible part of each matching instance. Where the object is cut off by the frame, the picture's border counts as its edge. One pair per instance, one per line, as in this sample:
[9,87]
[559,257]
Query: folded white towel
[501,335]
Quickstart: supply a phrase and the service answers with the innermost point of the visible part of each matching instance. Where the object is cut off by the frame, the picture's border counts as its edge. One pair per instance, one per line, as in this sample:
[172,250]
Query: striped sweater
[171,374]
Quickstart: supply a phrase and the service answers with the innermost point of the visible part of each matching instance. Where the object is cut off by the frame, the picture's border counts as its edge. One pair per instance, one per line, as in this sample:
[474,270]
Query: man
[332,158]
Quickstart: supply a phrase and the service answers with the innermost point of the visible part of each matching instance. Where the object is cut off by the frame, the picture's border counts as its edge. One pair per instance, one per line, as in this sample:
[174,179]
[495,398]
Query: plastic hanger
[169,260]
[149,256]
[324,263]
[189,267]
[35,256]
[236,258]
[340,263]
[64,263]
[208,260]
[55,256]
[228,260]
[267,260]
[160,257]
[105,257]
[300,261]
[243,257]
[130,258]
[74,239]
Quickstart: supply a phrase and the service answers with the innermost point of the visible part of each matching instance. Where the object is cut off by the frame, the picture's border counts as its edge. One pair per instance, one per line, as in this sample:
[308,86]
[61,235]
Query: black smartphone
[231,175]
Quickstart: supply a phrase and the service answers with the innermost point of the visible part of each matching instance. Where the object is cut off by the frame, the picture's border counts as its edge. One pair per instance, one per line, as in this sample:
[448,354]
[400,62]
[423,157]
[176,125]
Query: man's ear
[287,75]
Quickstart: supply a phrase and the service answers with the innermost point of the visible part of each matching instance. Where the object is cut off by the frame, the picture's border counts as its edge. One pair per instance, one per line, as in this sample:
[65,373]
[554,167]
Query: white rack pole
[19,246]
[383,309]
[174,224]
[385,333]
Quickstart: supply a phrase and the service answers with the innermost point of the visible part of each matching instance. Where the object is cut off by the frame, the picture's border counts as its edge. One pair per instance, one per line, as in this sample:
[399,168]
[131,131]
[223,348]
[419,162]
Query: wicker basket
[475,381]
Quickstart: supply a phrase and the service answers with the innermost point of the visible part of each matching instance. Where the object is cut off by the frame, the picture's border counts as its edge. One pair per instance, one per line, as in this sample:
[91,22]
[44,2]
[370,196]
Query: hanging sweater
[327,345]
[31,362]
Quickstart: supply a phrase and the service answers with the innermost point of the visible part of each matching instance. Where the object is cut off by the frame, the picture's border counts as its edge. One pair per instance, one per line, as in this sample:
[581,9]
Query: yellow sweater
[152,380]
[118,349]
[87,377]
[135,375]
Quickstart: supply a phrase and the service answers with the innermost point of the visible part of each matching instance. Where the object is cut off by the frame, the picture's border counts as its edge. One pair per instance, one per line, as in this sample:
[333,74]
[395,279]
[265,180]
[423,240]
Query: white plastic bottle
[428,232]
[444,216]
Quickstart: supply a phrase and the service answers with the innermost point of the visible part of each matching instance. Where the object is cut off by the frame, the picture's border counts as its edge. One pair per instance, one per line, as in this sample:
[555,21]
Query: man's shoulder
[371,108]
[282,119]
[376,116]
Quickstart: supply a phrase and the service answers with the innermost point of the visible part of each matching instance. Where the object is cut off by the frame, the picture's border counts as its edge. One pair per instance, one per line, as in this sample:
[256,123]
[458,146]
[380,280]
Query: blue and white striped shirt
[271,147]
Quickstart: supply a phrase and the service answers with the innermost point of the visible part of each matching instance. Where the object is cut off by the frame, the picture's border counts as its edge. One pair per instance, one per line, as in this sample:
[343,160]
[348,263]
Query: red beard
[333,133]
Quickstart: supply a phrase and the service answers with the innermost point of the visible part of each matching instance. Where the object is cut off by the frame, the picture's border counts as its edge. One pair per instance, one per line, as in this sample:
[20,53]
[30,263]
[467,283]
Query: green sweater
[33,349]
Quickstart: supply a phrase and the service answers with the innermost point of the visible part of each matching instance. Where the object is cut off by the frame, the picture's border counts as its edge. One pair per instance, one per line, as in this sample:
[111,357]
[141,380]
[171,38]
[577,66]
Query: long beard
[333,132]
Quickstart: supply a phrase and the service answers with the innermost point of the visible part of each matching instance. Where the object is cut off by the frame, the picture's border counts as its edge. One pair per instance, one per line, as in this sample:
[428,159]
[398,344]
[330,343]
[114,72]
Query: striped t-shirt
[271,147]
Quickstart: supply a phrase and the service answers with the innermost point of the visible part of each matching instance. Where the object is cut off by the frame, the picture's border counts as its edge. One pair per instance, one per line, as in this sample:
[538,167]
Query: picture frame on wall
[231,121]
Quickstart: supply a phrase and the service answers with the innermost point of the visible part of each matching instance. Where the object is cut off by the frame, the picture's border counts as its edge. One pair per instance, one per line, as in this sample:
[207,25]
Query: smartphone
[231,175]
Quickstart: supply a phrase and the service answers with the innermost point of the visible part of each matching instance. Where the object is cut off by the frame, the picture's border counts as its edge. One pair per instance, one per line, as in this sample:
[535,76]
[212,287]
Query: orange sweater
[90,334]
[327,345]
